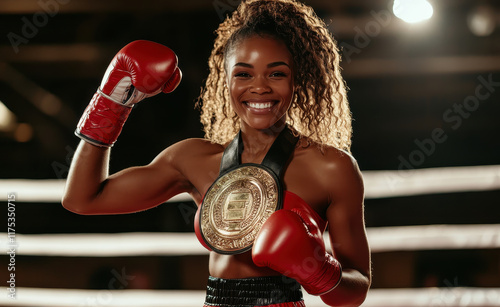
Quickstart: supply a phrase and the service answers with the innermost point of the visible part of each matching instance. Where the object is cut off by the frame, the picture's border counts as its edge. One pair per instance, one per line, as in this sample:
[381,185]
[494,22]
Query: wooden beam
[377,67]
[45,101]
[86,6]
[55,53]
[90,6]
[356,67]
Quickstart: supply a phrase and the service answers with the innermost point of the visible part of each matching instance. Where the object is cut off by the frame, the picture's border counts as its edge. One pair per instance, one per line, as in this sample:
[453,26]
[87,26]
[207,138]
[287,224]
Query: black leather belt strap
[276,158]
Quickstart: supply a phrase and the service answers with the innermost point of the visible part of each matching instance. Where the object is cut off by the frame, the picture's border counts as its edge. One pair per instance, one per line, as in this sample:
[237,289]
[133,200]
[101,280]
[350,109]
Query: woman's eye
[278,74]
[242,74]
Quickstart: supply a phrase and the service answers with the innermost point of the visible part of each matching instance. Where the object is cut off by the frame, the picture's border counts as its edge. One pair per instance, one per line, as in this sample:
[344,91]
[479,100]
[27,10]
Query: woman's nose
[260,86]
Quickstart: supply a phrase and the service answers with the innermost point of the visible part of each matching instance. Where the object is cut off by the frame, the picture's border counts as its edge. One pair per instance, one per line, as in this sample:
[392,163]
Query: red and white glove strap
[102,121]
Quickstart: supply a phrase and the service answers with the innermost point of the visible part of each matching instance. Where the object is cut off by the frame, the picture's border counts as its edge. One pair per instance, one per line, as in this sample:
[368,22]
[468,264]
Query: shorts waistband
[249,292]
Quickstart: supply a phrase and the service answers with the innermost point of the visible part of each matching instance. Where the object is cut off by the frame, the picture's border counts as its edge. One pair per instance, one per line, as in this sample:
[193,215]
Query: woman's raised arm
[91,190]
[139,70]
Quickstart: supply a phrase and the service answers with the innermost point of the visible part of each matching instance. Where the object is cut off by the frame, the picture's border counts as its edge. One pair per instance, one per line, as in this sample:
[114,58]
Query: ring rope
[381,184]
[381,239]
[378,184]
[408,297]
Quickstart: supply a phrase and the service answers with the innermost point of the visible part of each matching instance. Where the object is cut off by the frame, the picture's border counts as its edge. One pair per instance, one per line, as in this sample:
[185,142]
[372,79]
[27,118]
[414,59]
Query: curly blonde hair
[319,109]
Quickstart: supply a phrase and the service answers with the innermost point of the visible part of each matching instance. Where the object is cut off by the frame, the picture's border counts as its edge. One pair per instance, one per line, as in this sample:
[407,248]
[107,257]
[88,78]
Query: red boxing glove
[291,243]
[139,70]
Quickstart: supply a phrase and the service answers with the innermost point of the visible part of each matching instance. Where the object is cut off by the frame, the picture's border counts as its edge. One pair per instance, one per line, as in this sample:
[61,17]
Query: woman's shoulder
[330,163]
[199,144]
[336,170]
[192,148]
[326,155]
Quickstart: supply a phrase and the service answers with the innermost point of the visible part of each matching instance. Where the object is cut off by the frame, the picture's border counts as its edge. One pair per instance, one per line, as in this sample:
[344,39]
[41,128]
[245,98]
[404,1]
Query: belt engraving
[236,206]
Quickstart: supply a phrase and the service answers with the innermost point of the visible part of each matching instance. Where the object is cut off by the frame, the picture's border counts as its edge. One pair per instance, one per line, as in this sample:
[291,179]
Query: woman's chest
[302,176]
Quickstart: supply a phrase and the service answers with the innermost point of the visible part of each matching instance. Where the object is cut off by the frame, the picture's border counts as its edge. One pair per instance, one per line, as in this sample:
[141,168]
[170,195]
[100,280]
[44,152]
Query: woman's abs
[236,266]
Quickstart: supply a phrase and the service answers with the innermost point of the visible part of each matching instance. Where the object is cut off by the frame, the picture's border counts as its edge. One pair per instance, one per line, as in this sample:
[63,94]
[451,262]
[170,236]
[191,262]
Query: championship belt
[244,195]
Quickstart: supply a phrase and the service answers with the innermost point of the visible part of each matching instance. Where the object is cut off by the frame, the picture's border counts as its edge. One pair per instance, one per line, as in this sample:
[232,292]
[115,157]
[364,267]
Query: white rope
[378,184]
[47,190]
[39,297]
[381,239]
[106,245]
[430,237]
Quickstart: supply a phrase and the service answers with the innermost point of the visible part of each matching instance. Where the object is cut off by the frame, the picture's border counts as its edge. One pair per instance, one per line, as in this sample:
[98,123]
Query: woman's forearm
[351,291]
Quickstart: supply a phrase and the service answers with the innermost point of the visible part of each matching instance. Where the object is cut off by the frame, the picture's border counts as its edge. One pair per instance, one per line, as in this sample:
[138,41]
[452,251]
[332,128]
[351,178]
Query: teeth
[256,105]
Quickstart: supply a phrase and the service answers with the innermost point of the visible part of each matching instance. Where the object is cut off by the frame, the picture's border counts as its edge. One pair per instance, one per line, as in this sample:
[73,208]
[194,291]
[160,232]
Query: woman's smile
[260,106]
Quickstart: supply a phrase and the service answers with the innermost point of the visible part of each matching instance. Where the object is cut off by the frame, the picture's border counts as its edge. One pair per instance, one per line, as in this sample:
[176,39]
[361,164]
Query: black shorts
[275,291]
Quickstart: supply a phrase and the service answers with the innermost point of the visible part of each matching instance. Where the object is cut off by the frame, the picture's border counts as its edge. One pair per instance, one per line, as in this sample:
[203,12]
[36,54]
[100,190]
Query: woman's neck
[256,143]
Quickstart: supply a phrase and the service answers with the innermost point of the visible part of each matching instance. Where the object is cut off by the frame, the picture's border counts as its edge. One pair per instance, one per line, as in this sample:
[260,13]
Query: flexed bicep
[90,190]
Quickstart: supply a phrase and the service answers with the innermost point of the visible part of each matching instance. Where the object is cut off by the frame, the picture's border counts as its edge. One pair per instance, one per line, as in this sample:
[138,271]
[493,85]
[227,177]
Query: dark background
[405,81]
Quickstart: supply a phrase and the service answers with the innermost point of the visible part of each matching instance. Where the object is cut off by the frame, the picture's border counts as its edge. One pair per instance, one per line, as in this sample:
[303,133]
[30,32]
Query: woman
[274,71]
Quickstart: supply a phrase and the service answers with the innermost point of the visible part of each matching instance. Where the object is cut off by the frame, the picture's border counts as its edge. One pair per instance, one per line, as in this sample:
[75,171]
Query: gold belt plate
[235,208]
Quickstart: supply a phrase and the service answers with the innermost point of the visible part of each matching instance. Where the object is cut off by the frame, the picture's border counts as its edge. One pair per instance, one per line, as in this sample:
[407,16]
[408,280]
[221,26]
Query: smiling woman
[279,66]
[260,81]
[278,131]
[319,107]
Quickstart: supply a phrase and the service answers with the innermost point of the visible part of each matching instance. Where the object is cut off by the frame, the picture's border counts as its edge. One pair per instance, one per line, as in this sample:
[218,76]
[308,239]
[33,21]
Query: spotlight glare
[482,21]
[412,11]
[23,132]
[7,118]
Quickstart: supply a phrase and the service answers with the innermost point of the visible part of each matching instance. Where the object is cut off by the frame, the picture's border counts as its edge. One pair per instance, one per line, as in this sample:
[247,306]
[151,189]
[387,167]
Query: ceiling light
[412,11]
[7,118]
[482,21]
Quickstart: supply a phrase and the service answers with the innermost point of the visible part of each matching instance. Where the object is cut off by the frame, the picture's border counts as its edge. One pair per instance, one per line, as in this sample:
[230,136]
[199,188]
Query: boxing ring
[378,184]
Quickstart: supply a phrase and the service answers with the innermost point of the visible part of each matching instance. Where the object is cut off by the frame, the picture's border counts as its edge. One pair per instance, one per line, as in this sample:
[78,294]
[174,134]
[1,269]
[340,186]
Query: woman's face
[260,81]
